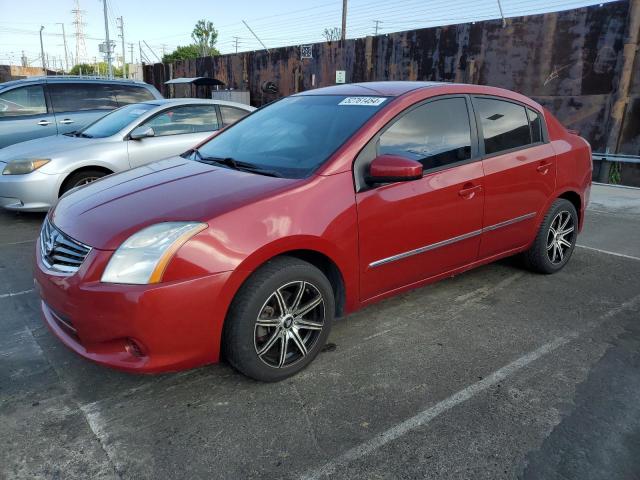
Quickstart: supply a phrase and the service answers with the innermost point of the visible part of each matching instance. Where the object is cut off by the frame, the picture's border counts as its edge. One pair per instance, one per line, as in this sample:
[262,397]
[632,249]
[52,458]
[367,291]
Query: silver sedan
[36,173]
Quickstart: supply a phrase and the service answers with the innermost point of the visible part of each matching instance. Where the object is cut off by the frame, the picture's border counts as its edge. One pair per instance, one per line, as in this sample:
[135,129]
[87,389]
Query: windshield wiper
[71,134]
[236,164]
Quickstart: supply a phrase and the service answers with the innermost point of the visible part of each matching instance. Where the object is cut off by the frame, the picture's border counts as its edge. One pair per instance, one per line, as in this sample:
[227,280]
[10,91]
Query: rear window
[128,94]
[504,125]
[75,97]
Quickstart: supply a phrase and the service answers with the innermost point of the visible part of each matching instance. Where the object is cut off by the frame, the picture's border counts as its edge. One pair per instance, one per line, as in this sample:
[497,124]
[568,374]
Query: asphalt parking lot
[497,373]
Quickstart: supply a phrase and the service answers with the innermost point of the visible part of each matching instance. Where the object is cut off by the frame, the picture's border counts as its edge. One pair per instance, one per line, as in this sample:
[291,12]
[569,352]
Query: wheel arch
[84,168]
[575,198]
[315,256]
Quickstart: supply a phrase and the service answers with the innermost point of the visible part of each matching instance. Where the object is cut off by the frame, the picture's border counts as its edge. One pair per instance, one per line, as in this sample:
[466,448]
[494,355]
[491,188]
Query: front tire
[279,320]
[81,178]
[556,239]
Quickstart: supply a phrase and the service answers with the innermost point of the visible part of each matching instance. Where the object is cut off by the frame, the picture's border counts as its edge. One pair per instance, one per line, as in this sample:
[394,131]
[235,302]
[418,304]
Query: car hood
[105,213]
[45,147]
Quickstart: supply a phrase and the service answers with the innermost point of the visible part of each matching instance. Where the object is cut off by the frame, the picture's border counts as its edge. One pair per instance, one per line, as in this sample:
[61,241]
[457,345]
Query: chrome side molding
[450,241]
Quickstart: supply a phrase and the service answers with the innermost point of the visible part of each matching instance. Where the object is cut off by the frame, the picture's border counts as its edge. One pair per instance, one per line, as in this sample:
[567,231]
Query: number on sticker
[366,101]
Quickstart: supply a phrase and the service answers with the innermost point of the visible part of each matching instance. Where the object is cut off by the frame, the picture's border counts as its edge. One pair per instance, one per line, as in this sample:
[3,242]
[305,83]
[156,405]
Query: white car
[37,172]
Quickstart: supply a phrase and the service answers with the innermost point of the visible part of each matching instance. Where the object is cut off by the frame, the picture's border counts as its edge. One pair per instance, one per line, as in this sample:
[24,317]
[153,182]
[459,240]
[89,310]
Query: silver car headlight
[24,166]
[144,256]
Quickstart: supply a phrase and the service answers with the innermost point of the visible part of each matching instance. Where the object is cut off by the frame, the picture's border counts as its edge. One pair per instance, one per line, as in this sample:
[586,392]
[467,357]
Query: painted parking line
[15,294]
[608,252]
[17,243]
[426,416]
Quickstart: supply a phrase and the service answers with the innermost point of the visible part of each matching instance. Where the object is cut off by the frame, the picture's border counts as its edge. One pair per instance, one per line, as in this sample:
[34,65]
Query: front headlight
[144,256]
[22,167]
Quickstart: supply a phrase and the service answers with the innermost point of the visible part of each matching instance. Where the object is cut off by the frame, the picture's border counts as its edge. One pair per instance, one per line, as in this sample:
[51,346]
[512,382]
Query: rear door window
[76,97]
[505,125]
[181,120]
[231,114]
[23,101]
[436,134]
[127,94]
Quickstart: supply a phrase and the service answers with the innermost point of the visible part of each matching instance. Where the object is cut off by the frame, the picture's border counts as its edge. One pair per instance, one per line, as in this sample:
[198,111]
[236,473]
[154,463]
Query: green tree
[100,68]
[205,35]
[83,69]
[187,52]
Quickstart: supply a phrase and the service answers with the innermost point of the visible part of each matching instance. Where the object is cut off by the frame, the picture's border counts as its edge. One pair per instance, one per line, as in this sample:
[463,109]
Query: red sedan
[310,208]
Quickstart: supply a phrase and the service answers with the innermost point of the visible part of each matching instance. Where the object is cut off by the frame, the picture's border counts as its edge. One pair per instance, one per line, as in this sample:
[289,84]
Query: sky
[165,24]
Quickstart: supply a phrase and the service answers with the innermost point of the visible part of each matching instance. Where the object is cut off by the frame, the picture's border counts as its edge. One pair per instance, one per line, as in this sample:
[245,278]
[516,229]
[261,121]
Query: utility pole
[377,22]
[107,41]
[131,75]
[344,20]
[44,62]
[235,39]
[64,41]
[24,60]
[142,57]
[124,60]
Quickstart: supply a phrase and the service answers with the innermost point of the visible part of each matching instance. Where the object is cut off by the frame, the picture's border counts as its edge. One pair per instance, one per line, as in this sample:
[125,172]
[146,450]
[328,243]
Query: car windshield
[115,121]
[294,136]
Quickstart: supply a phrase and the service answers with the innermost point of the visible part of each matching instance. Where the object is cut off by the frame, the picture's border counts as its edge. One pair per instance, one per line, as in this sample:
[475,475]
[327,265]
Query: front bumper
[136,328]
[33,192]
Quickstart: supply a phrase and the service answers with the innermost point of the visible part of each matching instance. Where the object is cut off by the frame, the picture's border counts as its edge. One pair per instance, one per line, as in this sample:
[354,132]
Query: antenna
[81,47]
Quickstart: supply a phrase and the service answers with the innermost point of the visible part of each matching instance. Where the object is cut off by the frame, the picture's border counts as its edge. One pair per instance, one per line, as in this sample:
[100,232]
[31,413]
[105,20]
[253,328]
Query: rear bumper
[33,192]
[136,328]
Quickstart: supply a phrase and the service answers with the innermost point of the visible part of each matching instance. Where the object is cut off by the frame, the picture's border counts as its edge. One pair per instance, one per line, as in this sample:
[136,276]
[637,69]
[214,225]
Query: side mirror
[141,132]
[394,168]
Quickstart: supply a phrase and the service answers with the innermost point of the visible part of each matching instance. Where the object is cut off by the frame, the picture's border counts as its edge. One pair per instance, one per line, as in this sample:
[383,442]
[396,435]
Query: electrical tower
[81,47]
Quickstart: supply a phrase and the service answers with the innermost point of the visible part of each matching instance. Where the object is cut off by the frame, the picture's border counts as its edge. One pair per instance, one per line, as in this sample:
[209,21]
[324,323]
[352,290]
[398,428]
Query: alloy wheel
[85,181]
[560,237]
[289,324]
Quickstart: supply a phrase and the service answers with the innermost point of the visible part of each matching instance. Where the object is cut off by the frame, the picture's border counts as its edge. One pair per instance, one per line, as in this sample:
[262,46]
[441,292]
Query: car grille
[60,252]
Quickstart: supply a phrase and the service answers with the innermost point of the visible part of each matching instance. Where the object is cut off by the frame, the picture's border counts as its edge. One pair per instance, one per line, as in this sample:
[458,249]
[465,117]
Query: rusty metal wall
[569,61]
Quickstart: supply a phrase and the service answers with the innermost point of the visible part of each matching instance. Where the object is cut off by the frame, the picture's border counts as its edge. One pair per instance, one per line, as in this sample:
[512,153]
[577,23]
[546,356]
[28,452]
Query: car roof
[199,101]
[386,89]
[70,79]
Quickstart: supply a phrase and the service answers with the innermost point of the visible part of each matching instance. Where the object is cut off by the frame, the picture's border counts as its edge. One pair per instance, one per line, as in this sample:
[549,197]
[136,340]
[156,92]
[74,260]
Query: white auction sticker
[366,101]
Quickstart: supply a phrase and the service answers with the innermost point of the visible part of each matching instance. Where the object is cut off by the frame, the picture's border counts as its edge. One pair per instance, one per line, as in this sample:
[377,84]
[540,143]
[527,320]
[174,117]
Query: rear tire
[80,178]
[287,303]
[556,239]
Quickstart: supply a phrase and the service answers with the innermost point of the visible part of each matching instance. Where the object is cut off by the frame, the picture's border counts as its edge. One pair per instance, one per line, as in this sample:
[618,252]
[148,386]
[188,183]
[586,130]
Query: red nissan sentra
[310,208]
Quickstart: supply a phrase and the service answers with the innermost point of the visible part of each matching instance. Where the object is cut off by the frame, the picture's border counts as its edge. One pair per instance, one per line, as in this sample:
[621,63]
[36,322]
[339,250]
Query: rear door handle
[544,168]
[66,121]
[44,123]
[469,190]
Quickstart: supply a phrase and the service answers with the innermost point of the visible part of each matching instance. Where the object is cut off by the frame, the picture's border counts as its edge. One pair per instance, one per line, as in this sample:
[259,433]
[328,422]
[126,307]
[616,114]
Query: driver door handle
[44,123]
[66,121]
[469,190]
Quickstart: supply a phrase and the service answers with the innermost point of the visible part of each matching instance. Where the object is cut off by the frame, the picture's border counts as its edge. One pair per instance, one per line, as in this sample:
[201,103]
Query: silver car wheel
[85,181]
[289,324]
[560,237]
